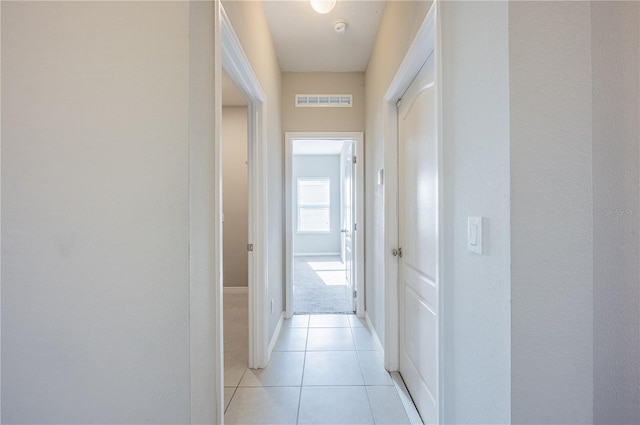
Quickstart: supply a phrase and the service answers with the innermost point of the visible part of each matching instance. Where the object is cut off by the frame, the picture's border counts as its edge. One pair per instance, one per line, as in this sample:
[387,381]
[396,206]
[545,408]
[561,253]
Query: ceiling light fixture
[323,6]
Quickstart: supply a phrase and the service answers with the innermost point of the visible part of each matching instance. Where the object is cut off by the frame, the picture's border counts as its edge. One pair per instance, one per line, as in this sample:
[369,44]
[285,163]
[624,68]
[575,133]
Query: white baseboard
[230,290]
[405,398]
[317,254]
[374,333]
[274,337]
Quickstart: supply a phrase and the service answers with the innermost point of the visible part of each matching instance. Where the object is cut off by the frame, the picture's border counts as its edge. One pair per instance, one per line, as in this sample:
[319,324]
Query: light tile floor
[325,369]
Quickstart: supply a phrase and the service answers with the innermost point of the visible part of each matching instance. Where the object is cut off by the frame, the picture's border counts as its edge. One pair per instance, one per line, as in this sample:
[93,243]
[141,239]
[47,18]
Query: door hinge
[355,293]
[355,226]
[396,252]
[250,247]
[355,159]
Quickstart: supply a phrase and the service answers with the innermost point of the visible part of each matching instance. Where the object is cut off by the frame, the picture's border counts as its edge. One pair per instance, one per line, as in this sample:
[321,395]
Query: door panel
[348,202]
[420,353]
[418,233]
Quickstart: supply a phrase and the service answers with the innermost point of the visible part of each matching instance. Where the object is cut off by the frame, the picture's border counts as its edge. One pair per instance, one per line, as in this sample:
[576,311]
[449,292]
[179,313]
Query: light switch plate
[474,235]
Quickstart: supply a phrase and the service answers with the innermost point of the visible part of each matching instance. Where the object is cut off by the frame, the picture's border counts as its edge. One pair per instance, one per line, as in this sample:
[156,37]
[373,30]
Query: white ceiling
[305,40]
[318,147]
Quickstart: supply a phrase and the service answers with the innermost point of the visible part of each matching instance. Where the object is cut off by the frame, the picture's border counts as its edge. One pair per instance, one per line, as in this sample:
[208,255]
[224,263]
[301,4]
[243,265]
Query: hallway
[324,369]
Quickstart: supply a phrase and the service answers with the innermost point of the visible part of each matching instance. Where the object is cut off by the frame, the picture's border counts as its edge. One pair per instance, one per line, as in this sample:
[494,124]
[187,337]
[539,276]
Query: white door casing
[206,321]
[358,205]
[235,62]
[348,216]
[418,213]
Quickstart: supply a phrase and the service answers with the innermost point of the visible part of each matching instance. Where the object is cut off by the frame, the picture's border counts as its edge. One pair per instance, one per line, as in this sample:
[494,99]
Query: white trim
[317,254]
[405,398]
[427,40]
[358,139]
[0,216]
[235,62]
[276,333]
[442,310]
[390,235]
[374,334]
[343,236]
[235,290]
[288,226]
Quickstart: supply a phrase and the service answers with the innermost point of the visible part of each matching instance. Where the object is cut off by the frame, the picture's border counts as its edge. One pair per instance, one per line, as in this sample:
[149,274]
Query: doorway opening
[235,230]
[321,283]
[238,68]
[324,205]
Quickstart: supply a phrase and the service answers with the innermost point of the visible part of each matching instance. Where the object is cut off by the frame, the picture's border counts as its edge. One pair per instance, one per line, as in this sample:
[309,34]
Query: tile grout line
[235,389]
[304,363]
[305,350]
[364,382]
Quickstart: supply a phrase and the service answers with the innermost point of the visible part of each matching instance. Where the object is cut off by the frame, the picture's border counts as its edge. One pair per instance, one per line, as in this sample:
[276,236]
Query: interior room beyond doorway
[323,225]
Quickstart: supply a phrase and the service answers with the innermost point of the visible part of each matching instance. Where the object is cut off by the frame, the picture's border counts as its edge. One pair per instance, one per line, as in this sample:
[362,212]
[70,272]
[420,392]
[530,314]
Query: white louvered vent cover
[324,100]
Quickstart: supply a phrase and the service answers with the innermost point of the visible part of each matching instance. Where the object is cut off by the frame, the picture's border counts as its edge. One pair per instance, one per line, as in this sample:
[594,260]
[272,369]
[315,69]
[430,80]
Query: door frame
[427,39]
[236,63]
[214,45]
[358,139]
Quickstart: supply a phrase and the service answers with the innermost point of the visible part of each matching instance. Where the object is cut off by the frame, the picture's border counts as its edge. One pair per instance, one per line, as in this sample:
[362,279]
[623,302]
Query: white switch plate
[474,235]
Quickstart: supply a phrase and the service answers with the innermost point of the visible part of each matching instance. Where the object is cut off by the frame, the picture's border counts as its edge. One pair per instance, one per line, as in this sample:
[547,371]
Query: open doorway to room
[235,227]
[239,186]
[320,280]
[324,205]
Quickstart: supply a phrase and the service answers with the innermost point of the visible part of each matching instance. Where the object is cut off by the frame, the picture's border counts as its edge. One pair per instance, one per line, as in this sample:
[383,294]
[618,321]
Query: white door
[418,234]
[348,215]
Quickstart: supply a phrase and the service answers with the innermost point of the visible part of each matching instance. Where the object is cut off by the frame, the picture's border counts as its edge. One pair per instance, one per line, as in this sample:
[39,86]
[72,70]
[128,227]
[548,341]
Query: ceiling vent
[324,100]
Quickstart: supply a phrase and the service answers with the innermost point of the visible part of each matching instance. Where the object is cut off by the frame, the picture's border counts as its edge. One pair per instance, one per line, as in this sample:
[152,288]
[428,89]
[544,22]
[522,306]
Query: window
[313,205]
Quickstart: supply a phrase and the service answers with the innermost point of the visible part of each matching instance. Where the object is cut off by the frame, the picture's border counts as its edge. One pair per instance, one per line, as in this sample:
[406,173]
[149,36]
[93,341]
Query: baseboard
[317,254]
[405,398]
[276,334]
[374,333]
[230,290]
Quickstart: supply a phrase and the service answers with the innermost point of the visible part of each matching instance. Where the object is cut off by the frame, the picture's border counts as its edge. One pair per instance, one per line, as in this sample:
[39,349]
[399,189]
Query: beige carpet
[320,286]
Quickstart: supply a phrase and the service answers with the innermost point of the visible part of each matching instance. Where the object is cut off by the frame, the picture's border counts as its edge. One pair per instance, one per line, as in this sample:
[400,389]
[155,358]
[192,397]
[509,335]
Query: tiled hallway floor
[325,369]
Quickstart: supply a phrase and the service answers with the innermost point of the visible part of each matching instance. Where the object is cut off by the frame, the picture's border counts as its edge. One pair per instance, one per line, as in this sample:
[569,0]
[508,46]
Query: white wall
[205,123]
[476,288]
[235,195]
[95,212]
[250,25]
[475,106]
[615,50]
[0,216]
[317,166]
[552,240]
[323,119]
